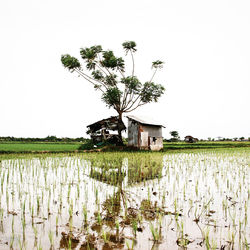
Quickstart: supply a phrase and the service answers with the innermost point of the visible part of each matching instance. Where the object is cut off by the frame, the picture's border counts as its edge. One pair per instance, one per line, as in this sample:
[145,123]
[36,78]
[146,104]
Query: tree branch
[121,73]
[86,78]
[133,70]
[139,104]
[153,75]
[99,65]
[126,110]
[129,101]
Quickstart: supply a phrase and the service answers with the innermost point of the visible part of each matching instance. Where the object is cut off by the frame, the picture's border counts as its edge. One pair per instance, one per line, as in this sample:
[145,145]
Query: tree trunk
[120,127]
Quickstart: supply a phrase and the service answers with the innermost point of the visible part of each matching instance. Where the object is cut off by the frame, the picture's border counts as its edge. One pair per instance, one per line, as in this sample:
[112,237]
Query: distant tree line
[46,139]
[175,138]
[228,139]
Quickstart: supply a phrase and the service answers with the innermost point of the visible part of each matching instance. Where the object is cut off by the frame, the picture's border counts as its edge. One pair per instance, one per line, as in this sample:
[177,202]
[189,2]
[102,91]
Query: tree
[175,135]
[106,72]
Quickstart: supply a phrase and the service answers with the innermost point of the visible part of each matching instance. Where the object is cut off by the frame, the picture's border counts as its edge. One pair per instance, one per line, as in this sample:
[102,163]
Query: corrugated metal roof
[111,123]
[144,120]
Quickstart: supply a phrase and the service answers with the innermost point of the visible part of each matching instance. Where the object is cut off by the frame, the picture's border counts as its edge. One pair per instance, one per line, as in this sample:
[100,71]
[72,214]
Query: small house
[144,133]
[190,139]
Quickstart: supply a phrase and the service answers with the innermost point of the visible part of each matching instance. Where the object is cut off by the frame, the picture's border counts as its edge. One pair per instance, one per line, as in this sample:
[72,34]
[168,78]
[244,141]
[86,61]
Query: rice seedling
[35,232]
[1,215]
[155,232]
[135,227]
[117,226]
[105,236]
[246,244]
[56,221]
[99,219]
[206,235]
[20,243]
[132,245]
[51,238]
[204,189]
[12,224]
[12,240]
[85,213]
[70,210]
[23,223]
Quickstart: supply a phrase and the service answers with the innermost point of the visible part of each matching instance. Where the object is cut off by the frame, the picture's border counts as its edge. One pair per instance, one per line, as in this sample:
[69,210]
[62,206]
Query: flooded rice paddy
[188,200]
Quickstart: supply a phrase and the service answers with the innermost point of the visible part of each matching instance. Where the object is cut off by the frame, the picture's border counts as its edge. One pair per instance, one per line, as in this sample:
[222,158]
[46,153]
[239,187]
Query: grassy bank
[212,144]
[38,147]
[19,147]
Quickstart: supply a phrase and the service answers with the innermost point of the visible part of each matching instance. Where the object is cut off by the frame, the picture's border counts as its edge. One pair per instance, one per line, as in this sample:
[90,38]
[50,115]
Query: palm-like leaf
[112,97]
[97,74]
[129,46]
[151,92]
[157,64]
[91,53]
[132,84]
[70,62]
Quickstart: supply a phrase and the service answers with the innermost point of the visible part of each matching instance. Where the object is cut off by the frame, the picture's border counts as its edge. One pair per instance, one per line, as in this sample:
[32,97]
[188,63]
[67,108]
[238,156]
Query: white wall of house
[144,136]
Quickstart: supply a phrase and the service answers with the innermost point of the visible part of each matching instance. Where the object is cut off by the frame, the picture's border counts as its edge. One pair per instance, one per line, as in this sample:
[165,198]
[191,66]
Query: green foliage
[87,146]
[38,140]
[132,84]
[129,46]
[90,54]
[174,134]
[97,74]
[111,80]
[122,92]
[151,92]
[112,62]
[70,62]
[157,64]
[112,96]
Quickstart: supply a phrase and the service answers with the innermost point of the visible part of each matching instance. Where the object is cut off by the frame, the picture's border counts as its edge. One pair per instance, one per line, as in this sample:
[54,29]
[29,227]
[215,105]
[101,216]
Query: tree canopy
[175,135]
[106,72]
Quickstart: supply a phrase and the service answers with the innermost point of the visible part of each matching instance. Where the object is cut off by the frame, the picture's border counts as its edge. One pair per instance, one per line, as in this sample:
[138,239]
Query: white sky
[205,46]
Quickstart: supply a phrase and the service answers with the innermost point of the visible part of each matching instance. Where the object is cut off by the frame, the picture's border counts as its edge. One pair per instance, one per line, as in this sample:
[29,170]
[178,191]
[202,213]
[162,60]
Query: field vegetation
[74,146]
[206,144]
[126,200]
[20,147]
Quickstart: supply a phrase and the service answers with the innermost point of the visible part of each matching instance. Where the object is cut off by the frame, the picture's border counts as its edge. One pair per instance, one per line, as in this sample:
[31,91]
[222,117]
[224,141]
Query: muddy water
[148,201]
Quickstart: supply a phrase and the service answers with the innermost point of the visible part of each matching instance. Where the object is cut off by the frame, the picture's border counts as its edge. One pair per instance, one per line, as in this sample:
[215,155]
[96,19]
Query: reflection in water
[127,171]
[103,201]
[122,173]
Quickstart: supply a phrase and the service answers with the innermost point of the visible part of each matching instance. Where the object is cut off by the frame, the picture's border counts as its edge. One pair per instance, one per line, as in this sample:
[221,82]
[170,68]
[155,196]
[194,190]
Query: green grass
[29,147]
[24,147]
[212,144]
